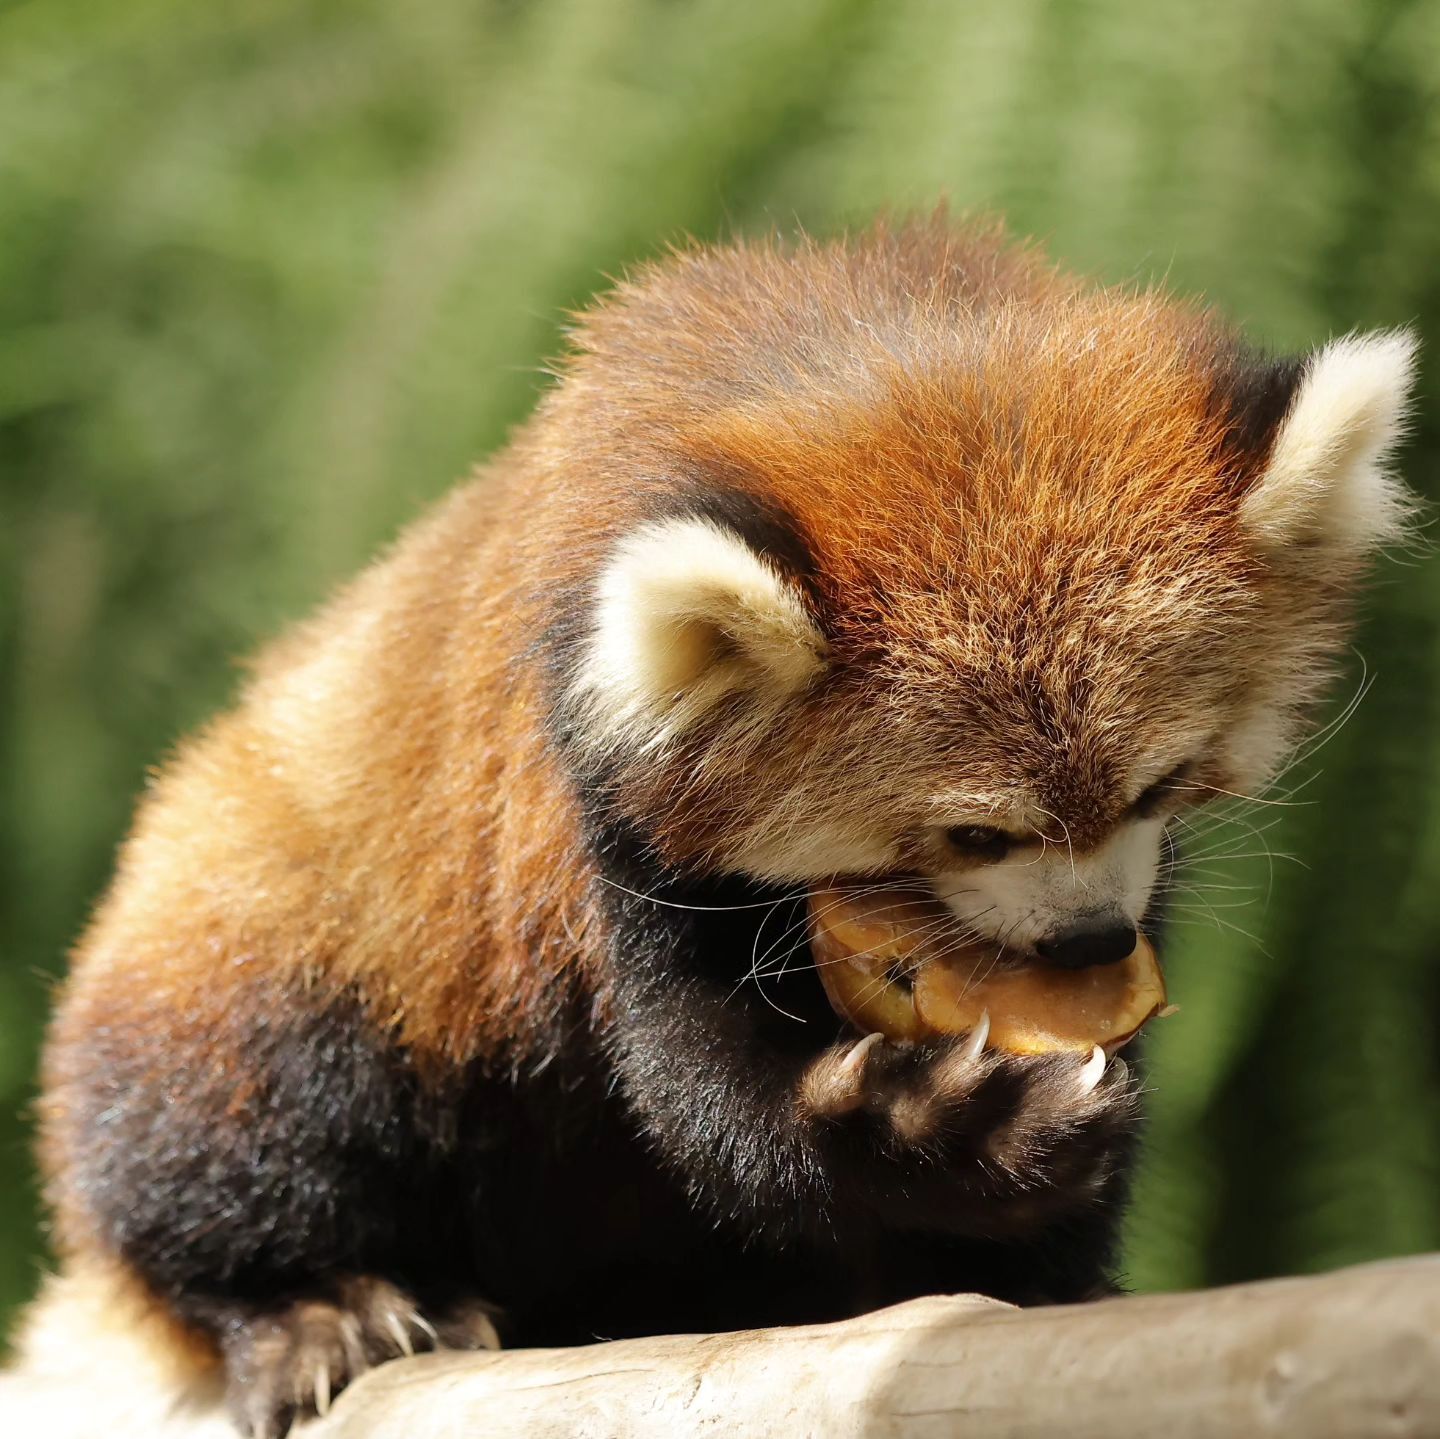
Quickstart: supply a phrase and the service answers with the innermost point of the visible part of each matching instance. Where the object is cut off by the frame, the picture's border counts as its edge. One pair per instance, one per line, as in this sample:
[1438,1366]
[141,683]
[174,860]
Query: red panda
[453,988]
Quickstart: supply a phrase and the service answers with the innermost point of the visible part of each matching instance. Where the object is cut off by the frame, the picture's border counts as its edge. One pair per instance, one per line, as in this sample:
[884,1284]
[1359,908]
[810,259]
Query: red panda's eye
[979,841]
[1154,798]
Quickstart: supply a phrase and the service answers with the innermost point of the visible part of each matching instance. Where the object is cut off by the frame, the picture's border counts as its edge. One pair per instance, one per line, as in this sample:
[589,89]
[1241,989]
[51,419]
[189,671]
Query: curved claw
[975,1040]
[322,1389]
[854,1063]
[426,1328]
[1093,1070]
[400,1334]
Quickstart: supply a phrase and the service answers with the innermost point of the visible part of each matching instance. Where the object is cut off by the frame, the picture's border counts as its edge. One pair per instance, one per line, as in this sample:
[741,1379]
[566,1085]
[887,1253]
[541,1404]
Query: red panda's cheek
[1256,752]
[814,849]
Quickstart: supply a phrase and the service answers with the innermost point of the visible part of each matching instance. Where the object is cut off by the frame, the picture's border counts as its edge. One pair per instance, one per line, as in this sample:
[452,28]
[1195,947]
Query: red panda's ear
[687,614]
[1327,483]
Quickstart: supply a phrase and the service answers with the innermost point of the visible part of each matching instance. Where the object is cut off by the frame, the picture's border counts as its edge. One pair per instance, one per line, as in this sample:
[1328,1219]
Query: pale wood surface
[1354,1354]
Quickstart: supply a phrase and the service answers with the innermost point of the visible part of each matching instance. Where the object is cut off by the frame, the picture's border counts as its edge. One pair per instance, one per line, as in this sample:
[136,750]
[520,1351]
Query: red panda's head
[928,561]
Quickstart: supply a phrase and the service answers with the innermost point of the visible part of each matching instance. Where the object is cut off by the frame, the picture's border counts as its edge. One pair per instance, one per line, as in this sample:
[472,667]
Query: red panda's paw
[288,1364]
[994,1124]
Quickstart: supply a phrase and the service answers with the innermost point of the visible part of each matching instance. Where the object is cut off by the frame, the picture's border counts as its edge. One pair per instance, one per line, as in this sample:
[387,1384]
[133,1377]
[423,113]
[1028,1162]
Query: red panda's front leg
[865,1138]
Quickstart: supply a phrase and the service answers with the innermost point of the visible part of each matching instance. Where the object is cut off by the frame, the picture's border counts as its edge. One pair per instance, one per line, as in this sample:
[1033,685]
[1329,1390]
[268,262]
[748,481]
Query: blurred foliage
[273,274]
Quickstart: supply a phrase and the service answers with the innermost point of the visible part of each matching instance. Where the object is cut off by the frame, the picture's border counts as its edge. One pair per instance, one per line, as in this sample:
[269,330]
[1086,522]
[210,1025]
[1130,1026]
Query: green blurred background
[272,275]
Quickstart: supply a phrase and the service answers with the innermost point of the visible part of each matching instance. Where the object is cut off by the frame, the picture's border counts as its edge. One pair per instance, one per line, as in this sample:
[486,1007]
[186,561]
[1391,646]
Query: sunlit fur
[687,614]
[1050,553]
[97,1356]
[1327,483]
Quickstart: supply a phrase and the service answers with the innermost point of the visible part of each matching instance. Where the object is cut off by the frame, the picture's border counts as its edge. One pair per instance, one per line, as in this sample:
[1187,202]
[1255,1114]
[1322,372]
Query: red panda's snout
[1039,898]
[1093,939]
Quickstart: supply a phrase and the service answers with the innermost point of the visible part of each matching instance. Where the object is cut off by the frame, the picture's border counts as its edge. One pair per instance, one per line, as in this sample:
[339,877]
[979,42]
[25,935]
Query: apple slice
[888,966]
[1039,1009]
[864,944]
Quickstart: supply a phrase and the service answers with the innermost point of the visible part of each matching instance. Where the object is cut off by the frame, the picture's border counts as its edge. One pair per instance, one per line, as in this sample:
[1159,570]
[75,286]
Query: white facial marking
[801,853]
[1026,896]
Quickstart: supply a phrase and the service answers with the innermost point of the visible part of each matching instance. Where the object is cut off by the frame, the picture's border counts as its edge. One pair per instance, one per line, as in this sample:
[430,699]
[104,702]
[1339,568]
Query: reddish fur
[383,812]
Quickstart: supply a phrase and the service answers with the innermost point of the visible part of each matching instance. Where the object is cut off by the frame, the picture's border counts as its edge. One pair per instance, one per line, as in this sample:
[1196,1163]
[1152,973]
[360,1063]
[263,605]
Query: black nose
[1102,940]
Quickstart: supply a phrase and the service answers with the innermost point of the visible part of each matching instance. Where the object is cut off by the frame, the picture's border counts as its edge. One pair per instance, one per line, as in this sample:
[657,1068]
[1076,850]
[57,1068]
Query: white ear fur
[1327,483]
[685,614]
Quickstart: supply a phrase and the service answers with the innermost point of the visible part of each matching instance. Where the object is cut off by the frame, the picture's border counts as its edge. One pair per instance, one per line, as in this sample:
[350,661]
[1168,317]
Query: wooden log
[1354,1354]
